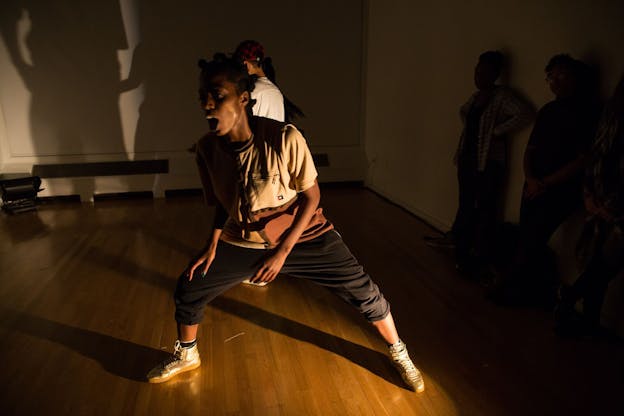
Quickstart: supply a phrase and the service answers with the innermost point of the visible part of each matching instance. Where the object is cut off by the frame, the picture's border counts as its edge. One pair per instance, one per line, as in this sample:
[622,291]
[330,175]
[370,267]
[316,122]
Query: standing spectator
[489,116]
[553,167]
[603,240]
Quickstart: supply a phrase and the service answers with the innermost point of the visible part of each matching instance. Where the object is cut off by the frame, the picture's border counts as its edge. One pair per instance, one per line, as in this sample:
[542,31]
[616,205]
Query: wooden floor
[86,309]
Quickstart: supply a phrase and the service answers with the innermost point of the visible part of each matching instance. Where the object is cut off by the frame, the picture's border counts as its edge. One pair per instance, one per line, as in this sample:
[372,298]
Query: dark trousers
[476,220]
[325,260]
[532,271]
[541,216]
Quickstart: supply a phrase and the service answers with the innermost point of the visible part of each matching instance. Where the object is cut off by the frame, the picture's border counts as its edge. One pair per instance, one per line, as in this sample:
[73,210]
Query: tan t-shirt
[258,181]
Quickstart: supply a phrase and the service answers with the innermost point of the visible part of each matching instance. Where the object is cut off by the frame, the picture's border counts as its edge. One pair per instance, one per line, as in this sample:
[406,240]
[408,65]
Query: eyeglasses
[552,75]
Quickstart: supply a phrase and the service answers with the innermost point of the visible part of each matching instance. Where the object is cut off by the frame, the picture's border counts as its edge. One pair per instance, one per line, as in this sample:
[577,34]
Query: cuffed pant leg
[327,261]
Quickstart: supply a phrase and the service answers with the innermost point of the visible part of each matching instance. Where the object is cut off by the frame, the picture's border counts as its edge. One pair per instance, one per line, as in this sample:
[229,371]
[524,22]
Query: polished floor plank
[86,302]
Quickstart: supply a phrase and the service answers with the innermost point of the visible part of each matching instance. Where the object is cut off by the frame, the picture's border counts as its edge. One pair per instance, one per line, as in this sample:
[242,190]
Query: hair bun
[219,57]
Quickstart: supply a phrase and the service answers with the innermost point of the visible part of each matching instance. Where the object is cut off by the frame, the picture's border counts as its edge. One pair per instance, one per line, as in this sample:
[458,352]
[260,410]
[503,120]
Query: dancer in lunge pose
[260,176]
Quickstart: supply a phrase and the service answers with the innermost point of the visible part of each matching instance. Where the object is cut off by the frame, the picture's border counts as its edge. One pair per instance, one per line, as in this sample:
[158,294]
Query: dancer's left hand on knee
[269,268]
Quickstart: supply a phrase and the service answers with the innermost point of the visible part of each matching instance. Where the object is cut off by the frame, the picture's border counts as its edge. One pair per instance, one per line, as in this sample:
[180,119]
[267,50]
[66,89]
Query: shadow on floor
[117,356]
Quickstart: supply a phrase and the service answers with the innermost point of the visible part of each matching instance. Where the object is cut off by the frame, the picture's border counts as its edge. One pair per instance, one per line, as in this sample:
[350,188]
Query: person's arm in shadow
[136,69]
[566,172]
[533,185]
[516,114]
[10,15]
[582,138]
[463,113]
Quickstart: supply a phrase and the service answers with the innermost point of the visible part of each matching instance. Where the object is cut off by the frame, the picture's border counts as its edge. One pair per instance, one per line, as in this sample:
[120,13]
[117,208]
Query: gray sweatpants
[325,260]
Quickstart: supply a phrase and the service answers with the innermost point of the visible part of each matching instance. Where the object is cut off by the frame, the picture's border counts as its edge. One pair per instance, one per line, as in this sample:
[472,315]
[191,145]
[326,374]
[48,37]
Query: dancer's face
[223,105]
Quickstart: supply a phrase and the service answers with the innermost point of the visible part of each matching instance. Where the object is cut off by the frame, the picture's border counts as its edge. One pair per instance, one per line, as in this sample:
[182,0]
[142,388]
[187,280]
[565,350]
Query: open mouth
[212,123]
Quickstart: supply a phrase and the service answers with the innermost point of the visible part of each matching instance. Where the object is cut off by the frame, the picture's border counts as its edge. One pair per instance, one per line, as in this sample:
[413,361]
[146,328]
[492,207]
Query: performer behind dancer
[268,100]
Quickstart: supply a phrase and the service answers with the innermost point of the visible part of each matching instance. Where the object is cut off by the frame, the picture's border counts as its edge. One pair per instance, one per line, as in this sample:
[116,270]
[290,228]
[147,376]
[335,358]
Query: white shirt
[269,100]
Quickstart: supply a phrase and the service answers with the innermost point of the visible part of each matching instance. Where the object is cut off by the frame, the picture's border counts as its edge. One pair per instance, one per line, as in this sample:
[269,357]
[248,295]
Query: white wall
[3,140]
[420,61]
[108,81]
[117,81]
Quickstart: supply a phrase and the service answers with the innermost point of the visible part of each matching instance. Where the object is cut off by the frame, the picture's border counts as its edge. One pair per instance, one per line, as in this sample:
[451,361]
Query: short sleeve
[301,167]
[269,104]
[536,132]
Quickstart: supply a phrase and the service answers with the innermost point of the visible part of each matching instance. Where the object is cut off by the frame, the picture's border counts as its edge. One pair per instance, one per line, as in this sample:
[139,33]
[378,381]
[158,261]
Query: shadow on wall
[113,80]
[164,63]
[66,55]
[69,64]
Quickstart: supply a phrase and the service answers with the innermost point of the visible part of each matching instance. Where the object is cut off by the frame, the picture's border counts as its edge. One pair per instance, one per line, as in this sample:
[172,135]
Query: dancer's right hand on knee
[203,263]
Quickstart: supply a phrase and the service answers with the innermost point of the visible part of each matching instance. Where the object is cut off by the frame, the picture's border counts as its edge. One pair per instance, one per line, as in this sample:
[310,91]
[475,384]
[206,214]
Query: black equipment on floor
[19,194]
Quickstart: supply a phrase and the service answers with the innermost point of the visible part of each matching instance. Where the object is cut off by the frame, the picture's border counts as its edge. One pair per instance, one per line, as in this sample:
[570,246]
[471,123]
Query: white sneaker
[182,359]
[410,374]
[249,282]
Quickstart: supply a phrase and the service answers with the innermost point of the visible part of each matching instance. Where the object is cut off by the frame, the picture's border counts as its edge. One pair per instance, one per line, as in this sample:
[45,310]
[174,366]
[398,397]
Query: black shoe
[445,241]
[505,296]
[571,324]
[490,277]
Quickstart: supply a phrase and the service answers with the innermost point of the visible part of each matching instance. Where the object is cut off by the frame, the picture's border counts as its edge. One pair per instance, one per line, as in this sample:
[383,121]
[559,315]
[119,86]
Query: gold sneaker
[182,359]
[410,374]
[259,284]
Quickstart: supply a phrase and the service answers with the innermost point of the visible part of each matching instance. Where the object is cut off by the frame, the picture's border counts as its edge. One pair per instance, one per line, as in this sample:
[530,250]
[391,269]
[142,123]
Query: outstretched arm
[10,12]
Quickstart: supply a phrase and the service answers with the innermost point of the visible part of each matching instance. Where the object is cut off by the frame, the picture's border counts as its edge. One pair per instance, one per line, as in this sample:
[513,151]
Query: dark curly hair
[231,69]
[562,60]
